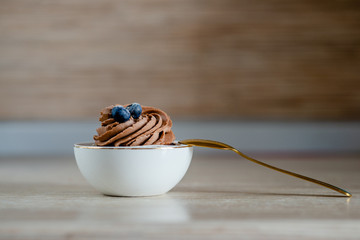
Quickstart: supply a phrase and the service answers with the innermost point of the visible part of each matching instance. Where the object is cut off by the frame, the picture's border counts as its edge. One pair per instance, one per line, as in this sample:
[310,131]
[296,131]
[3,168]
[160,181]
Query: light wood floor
[221,197]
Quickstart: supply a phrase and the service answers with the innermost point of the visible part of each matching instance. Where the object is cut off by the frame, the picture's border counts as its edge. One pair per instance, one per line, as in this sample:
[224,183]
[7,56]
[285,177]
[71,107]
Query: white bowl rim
[92,145]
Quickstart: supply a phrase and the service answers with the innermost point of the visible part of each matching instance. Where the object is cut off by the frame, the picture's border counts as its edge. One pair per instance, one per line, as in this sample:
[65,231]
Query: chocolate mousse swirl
[153,127]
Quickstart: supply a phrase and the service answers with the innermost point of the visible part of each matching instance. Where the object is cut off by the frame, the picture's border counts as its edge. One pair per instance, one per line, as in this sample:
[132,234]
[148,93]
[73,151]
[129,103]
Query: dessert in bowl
[134,154]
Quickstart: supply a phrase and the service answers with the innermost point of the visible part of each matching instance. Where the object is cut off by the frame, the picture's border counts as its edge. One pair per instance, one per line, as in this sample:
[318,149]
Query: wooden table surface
[221,197]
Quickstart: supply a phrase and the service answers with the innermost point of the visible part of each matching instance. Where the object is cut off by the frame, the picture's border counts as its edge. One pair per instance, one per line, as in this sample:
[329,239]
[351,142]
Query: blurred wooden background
[266,59]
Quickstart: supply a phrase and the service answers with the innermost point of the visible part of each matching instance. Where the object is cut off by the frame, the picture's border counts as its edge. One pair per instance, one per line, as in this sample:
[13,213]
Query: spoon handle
[224,146]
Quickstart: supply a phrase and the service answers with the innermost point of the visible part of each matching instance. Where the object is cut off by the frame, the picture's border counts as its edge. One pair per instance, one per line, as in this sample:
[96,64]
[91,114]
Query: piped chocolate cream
[153,127]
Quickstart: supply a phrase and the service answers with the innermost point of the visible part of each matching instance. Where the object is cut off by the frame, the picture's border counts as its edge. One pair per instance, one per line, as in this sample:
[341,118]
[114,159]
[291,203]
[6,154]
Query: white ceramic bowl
[133,171]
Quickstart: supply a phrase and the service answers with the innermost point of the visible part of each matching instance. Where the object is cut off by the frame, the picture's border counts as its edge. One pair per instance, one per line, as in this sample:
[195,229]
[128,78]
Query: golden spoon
[220,145]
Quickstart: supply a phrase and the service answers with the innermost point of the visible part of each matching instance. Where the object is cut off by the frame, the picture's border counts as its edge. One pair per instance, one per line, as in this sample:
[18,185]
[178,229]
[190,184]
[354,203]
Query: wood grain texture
[272,59]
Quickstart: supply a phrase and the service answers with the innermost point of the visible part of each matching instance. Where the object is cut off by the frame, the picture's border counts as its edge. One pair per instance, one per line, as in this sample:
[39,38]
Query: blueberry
[135,110]
[120,114]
